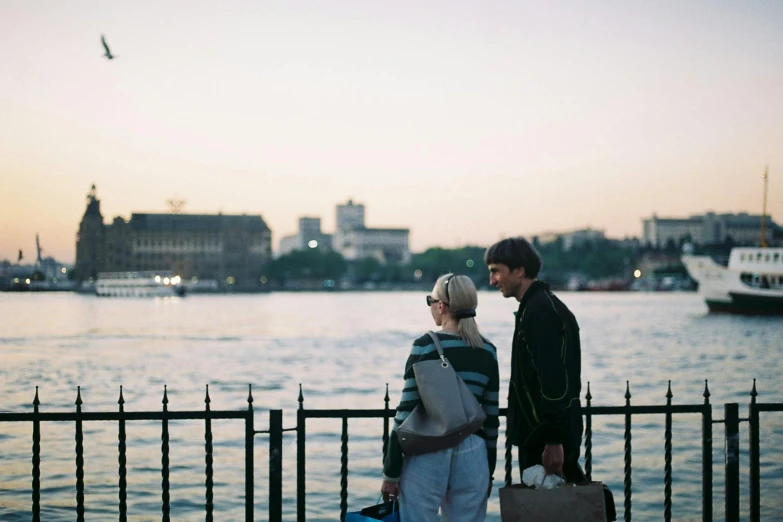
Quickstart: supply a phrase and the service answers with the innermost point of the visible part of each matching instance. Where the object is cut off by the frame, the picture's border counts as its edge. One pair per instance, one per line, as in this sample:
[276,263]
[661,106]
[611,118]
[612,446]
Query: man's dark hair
[515,252]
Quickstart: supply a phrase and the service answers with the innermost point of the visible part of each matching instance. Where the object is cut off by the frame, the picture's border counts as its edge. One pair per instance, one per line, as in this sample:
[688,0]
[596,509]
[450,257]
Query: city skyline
[463,121]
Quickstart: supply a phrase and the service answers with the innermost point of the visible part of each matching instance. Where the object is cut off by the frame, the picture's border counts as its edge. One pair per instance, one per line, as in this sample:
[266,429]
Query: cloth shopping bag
[567,503]
[387,512]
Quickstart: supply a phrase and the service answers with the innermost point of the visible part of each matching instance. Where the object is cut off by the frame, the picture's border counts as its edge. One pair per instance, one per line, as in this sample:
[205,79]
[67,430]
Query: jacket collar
[534,288]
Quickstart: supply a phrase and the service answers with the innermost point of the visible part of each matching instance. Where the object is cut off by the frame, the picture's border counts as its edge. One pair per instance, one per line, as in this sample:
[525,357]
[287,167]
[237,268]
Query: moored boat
[139,284]
[752,283]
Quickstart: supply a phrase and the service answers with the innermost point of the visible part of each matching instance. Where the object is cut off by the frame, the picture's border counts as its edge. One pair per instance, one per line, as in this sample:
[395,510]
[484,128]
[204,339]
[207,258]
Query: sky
[463,121]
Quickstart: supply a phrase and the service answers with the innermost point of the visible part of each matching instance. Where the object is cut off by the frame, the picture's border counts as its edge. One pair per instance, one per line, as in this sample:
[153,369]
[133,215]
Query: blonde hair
[459,293]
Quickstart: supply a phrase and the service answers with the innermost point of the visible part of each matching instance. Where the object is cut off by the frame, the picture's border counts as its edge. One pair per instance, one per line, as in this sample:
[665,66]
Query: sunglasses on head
[430,300]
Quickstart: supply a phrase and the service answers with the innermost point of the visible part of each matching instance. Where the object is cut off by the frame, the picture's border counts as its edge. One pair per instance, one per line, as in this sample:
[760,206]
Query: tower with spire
[91,239]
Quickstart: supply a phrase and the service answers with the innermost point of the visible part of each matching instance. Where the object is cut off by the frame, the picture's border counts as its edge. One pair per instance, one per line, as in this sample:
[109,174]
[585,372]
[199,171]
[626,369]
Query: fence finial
[588,395]
[165,399]
[753,392]
[249,396]
[669,394]
[78,398]
[706,393]
[121,402]
[627,393]
[36,402]
[301,397]
[206,399]
[386,397]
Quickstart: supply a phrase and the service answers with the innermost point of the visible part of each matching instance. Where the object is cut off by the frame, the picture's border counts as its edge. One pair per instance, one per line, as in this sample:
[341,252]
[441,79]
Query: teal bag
[386,512]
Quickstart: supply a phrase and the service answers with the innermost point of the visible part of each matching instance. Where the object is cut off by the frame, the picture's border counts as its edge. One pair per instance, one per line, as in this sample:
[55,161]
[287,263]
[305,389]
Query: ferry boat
[139,284]
[752,283]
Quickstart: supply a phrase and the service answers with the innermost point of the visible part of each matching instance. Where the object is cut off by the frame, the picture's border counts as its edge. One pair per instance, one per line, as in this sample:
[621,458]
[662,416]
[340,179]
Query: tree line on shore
[596,260]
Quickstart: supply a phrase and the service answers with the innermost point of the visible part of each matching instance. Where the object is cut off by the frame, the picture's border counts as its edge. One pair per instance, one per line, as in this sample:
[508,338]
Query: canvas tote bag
[448,413]
[567,503]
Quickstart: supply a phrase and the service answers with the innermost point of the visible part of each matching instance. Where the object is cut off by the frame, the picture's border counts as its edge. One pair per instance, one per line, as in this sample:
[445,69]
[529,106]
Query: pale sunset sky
[464,121]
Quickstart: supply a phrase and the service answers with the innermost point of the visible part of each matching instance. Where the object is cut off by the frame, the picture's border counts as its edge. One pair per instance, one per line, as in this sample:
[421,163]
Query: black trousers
[572,471]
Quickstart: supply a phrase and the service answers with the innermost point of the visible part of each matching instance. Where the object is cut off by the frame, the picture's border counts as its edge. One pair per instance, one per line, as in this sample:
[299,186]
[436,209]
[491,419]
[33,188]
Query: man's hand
[552,459]
[390,490]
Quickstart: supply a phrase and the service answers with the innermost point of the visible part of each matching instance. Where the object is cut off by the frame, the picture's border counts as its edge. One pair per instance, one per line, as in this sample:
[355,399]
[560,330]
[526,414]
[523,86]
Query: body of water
[343,348]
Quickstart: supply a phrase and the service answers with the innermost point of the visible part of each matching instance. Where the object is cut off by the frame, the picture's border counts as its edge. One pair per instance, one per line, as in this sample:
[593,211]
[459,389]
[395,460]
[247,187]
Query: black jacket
[543,394]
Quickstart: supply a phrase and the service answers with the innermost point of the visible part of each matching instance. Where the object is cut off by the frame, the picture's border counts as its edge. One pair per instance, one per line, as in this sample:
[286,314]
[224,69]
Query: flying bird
[105,46]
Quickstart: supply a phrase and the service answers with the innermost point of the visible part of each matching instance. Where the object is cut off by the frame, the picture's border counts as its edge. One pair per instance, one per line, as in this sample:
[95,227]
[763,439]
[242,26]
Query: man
[544,417]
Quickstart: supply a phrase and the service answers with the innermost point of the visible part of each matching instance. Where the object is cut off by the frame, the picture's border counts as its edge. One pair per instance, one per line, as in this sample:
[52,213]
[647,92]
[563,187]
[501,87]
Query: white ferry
[139,284]
[752,283]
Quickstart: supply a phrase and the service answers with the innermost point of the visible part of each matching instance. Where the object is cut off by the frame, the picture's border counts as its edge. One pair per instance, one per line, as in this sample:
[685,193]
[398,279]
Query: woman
[457,480]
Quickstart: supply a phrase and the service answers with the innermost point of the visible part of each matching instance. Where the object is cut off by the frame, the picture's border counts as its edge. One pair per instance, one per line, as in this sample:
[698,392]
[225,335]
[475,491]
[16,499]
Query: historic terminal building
[229,249]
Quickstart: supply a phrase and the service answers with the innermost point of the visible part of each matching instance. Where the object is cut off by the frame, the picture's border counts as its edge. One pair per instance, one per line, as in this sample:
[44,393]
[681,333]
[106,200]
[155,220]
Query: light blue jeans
[454,479]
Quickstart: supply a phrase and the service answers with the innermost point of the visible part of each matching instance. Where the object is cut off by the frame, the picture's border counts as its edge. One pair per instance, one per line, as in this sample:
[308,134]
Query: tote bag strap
[438,347]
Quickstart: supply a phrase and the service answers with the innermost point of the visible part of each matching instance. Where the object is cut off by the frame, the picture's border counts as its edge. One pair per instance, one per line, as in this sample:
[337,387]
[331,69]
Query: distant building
[349,216]
[308,236]
[572,239]
[387,245]
[227,248]
[709,228]
[355,241]
[288,244]
[579,238]
[91,240]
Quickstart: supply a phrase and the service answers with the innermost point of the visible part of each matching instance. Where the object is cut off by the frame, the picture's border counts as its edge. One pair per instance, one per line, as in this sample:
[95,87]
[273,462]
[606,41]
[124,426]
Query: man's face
[507,281]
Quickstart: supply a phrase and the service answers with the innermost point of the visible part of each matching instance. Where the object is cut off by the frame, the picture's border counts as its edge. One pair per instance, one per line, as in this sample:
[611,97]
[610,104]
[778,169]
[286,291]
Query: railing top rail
[332,413]
[645,409]
[769,406]
[315,413]
[124,415]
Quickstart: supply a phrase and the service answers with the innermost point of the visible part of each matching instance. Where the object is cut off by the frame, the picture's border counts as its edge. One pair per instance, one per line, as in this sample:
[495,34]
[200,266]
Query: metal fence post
[732,461]
[79,458]
[386,423]
[249,460]
[122,460]
[706,456]
[300,459]
[209,483]
[275,465]
[588,436]
[667,452]
[755,471]
[36,461]
[164,459]
[627,469]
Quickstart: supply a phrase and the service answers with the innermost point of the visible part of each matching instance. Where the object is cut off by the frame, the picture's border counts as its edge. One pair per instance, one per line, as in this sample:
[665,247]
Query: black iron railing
[754,450]
[668,411]
[276,431]
[731,421]
[589,411]
[79,417]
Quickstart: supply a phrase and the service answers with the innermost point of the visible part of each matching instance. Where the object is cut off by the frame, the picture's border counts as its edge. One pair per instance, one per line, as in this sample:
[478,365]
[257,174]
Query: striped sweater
[478,367]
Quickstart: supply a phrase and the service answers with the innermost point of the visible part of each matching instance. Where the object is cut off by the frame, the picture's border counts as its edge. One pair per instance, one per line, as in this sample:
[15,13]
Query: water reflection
[344,348]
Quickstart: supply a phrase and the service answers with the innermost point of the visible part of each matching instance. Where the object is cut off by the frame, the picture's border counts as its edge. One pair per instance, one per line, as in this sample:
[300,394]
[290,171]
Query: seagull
[105,46]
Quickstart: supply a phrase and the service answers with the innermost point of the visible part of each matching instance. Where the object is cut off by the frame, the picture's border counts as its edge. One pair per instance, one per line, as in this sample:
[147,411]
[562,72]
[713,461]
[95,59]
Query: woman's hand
[390,490]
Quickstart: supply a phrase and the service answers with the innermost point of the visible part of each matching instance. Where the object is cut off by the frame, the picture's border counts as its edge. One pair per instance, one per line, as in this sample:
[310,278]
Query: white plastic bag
[536,477]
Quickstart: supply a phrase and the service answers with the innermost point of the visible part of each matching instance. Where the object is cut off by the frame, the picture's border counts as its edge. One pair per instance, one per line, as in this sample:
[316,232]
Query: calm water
[343,348]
